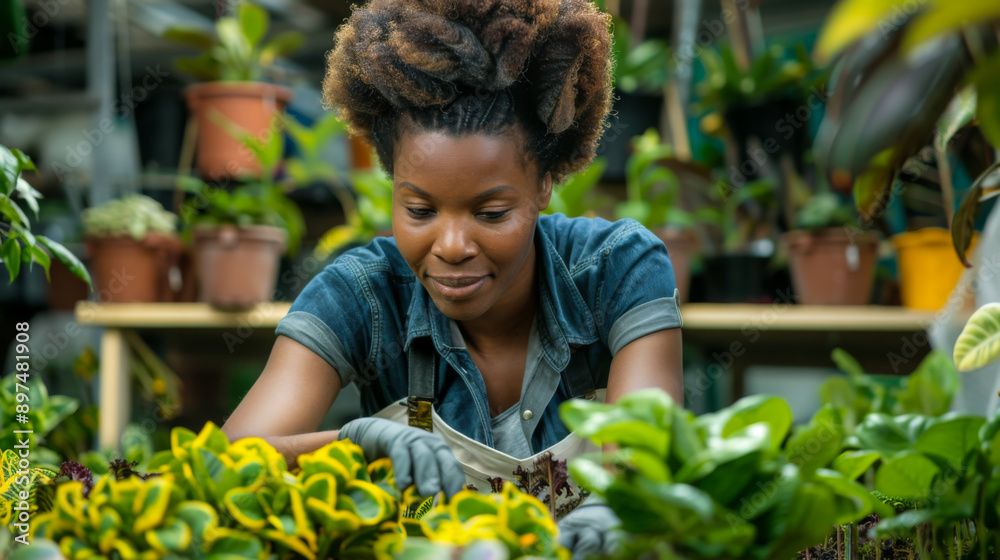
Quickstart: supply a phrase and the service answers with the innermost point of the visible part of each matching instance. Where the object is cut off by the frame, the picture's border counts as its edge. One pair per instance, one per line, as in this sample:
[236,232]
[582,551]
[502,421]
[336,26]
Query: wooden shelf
[697,316]
[783,317]
[177,315]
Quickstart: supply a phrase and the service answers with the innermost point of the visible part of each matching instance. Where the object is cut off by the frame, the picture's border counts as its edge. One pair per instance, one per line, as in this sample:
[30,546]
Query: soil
[891,549]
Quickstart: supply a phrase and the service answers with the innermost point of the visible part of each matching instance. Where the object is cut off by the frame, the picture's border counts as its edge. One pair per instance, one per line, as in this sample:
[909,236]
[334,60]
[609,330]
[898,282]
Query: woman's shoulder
[583,239]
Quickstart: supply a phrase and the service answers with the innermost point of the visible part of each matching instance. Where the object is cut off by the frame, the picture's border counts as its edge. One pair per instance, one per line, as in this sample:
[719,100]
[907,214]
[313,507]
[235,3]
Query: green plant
[652,188]
[904,86]
[717,486]
[371,215]
[738,223]
[929,390]
[17,243]
[575,197]
[772,74]
[234,52]
[979,342]
[134,215]
[41,414]
[643,68]
[260,200]
[507,524]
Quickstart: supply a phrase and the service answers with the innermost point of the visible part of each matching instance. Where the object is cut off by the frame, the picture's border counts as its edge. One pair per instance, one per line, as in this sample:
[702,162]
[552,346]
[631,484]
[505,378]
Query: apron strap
[422,367]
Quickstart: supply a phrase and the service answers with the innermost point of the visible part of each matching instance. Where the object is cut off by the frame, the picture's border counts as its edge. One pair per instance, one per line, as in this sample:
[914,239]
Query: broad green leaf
[199,517]
[173,536]
[951,439]
[245,508]
[979,343]
[10,252]
[853,501]
[29,195]
[943,17]
[878,432]
[853,464]
[39,550]
[908,475]
[770,410]
[253,21]
[236,543]
[930,389]
[591,474]
[987,81]
[849,21]
[10,169]
[67,258]
[12,211]
[150,505]
[816,445]
[959,113]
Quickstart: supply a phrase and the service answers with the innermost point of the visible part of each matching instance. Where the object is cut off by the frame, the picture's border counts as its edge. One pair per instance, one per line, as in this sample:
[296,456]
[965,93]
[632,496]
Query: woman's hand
[589,529]
[418,456]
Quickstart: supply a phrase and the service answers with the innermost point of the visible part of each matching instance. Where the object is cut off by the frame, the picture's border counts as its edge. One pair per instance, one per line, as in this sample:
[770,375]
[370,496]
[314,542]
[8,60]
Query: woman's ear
[545,192]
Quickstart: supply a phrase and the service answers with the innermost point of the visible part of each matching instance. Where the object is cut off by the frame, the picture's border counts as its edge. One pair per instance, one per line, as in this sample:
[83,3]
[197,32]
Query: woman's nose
[454,242]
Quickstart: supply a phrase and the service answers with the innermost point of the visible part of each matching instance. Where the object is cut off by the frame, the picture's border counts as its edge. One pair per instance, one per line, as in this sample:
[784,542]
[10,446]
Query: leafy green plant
[17,243]
[508,524]
[643,68]
[739,226]
[43,415]
[371,216]
[235,51]
[652,188]
[575,197]
[260,200]
[979,342]
[772,74]
[719,486]
[929,390]
[134,215]
[920,63]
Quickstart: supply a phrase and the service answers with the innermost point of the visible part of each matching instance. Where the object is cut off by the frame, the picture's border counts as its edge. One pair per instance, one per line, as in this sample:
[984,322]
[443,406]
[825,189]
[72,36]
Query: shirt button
[527,414]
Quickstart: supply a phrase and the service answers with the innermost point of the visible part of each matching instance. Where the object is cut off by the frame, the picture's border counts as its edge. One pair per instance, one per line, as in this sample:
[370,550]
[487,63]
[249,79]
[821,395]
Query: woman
[479,317]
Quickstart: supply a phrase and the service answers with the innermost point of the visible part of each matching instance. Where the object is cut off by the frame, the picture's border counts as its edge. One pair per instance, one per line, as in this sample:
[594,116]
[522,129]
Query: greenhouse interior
[499,279]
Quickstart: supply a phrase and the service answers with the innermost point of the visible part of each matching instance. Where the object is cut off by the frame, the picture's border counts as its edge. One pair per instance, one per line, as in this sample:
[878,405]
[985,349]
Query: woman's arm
[288,401]
[653,360]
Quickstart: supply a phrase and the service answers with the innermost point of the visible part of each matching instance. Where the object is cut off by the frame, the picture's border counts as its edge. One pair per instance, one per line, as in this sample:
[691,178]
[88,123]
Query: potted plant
[654,200]
[17,243]
[738,270]
[231,66]
[831,259]
[246,228]
[368,217]
[133,244]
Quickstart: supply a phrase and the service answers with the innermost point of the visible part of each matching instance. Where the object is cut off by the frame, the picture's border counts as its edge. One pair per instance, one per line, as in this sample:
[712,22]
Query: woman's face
[464,210]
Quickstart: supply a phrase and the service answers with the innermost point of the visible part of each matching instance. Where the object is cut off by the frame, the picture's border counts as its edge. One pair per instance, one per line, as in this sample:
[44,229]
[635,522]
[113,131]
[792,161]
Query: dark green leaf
[963,226]
[13,212]
[853,464]
[67,258]
[951,439]
[10,168]
[908,475]
[10,251]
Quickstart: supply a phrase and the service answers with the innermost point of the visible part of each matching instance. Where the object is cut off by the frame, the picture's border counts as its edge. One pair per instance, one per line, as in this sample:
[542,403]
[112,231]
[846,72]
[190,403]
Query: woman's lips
[458,288]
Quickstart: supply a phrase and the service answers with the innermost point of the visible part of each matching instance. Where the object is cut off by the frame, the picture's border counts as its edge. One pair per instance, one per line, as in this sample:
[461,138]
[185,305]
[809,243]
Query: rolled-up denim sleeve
[330,318]
[639,289]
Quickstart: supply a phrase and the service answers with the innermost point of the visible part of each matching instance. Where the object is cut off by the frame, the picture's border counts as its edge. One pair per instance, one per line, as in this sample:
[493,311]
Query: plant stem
[840,544]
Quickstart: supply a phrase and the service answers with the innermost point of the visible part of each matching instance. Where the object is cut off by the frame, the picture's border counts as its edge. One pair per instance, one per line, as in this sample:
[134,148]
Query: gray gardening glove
[589,529]
[418,456]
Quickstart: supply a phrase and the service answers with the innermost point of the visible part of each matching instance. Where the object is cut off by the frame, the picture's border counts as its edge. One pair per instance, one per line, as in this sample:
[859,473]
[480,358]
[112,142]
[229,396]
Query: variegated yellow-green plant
[518,525]
[140,519]
[330,505]
[13,481]
[979,343]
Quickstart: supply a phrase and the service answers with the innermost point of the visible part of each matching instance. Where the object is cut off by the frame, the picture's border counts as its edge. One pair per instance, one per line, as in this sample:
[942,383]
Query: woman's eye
[494,215]
[419,212]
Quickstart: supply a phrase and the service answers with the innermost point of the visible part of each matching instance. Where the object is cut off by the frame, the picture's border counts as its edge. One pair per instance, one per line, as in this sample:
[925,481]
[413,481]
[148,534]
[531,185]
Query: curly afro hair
[476,66]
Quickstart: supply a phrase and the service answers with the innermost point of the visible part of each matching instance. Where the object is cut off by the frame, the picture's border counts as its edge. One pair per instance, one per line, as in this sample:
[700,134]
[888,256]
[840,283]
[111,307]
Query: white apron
[482,464]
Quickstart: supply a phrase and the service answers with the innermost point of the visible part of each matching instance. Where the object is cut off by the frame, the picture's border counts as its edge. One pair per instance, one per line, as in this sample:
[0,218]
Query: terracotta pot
[65,289]
[681,247]
[829,267]
[238,267]
[182,284]
[249,105]
[126,270]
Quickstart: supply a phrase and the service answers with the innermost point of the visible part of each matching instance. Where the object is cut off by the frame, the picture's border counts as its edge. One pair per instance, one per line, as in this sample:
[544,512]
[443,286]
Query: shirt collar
[566,319]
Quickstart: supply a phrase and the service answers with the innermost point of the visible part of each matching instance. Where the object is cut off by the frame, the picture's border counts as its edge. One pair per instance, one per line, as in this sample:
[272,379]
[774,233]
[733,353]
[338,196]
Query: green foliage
[17,243]
[234,51]
[721,485]
[825,210]
[134,215]
[772,74]
[889,102]
[928,390]
[15,484]
[507,524]
[371,215]
[643,68]
[575,197]
[738,227]
[44,413]
[979,342]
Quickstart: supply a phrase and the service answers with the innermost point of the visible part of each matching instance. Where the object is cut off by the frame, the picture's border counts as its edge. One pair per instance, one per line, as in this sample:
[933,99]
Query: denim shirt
[601,285]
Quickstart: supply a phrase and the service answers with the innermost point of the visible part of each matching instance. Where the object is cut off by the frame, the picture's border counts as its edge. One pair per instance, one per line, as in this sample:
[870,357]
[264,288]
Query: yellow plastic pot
[929,269]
